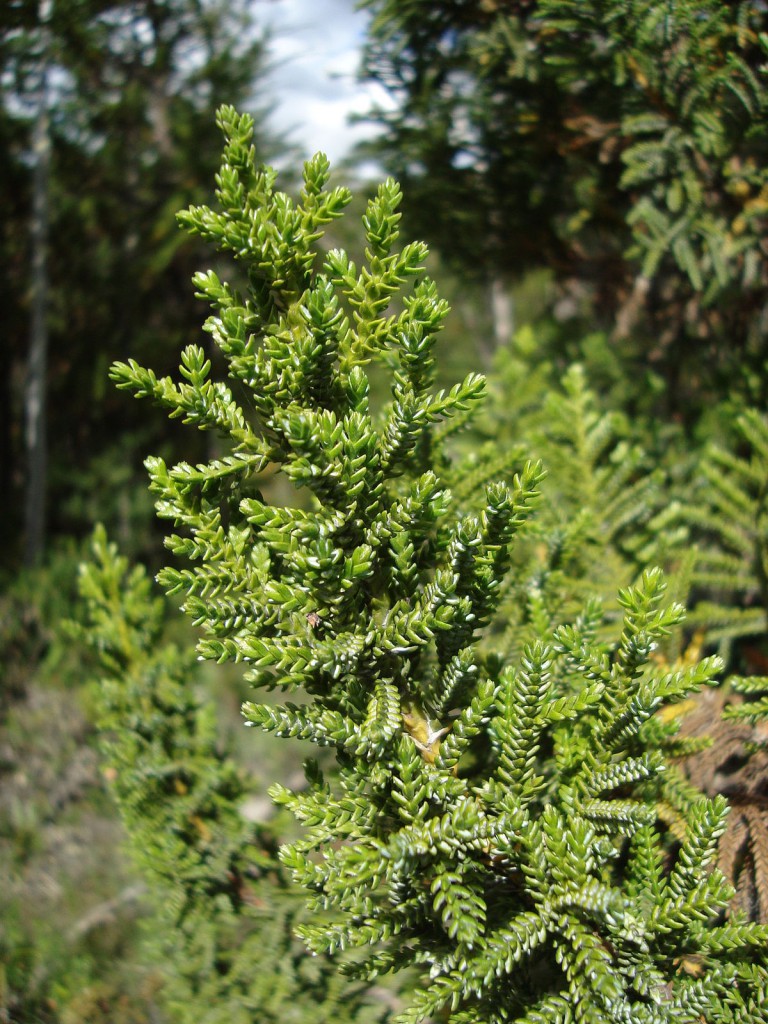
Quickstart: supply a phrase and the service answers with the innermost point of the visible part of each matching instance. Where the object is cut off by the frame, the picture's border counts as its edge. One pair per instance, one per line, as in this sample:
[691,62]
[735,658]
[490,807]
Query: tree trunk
[502,312]
[35,389]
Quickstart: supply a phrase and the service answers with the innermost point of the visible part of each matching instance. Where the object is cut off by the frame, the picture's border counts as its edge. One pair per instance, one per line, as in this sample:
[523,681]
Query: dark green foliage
[492,820]
[504,878]
[621,144]
[692,95]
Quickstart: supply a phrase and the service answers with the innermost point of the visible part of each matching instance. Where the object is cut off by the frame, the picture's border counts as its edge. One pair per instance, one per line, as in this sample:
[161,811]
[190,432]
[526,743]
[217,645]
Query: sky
[315,52]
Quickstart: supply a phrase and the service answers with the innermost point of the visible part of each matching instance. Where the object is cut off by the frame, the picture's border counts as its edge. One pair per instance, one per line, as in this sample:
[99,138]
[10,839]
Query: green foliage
[595,529]
[504,878]
[225,916]
[691,102]
[491,819]
[728,521]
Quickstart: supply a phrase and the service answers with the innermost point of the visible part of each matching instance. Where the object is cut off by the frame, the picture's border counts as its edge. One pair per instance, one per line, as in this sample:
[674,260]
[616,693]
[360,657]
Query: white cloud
[315,53]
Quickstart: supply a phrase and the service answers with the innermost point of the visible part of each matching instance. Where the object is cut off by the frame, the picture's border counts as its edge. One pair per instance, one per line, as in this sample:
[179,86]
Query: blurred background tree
[619,145]
[132,86]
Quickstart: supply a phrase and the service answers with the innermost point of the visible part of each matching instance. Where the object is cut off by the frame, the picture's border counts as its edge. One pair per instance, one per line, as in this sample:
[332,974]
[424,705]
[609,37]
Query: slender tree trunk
[502,312]
[35,391]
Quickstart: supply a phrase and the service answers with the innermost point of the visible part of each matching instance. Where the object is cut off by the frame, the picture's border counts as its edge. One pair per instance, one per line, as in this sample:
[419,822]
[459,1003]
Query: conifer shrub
[507,818]
[595,528]
[221,933]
